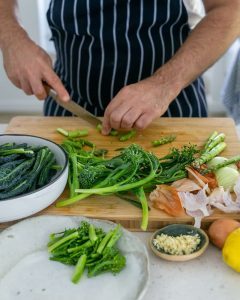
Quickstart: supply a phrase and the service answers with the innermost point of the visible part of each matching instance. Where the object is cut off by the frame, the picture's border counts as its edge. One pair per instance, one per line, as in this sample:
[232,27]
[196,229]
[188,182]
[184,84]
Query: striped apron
[103,45]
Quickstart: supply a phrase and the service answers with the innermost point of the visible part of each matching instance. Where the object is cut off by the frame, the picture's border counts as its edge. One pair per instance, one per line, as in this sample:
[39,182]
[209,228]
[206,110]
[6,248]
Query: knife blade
[73,107]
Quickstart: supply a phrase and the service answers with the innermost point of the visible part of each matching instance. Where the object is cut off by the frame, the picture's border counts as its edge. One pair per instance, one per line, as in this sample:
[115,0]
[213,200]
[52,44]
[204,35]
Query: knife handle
[52,93]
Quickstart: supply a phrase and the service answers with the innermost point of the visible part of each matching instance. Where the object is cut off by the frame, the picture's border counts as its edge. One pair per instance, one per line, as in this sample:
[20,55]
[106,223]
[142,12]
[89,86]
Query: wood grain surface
[193,130]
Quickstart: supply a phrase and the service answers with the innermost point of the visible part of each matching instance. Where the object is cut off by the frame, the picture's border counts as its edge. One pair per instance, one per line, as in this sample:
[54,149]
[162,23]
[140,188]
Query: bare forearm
[9,26]
[207,42]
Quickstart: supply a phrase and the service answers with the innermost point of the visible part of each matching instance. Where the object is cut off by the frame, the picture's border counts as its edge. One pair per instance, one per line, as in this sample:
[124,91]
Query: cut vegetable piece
[164,140]
[202,180]
[196,205]
[185,185]
[223,200]
[79,268]
[127,136]
[166,198]
[207,156]
[227,178]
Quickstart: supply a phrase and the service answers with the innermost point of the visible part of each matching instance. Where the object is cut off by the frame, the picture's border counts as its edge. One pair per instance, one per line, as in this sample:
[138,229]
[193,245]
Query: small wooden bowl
[176,230]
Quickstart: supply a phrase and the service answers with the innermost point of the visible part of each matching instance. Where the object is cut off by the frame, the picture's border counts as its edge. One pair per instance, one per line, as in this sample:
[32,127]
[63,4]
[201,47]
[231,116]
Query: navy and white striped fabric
[103,45]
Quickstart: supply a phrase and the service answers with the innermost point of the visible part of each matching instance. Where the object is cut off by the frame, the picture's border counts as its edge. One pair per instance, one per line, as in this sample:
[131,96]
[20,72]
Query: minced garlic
[177,245]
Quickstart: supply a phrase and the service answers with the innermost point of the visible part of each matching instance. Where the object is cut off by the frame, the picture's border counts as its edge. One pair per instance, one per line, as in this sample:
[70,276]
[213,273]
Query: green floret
[90,175]
[112,261]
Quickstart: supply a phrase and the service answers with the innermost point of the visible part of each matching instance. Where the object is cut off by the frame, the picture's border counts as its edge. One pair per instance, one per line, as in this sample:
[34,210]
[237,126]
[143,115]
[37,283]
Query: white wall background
[14,100]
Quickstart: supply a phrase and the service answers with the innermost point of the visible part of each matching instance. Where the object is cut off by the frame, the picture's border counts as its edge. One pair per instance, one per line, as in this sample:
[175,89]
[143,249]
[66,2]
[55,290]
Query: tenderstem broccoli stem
[72,200]
[62,131]
[127,136]
[117,188]
[62,241]
[79,269]
[164,140]
[113,132]
[73,133]
[77,133]
[76,198]
[104,242]
[142,198]
[117,233]
[73,179]
[85,245]
[92,234]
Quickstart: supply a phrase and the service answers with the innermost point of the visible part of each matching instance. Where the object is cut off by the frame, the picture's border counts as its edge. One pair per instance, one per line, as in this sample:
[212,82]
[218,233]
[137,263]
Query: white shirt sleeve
[195,11]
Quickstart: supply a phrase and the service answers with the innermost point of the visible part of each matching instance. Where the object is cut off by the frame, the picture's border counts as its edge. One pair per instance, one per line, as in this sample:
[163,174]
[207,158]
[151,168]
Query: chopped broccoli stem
[104,242]
[87,244]
[164,140]
[113,132]
[92,234]
[62,241]
[99,127]
[77,133]
[81,250]
[117,233]
[79,269]
[142,197]
[73,133]
[127,136]
[62,131]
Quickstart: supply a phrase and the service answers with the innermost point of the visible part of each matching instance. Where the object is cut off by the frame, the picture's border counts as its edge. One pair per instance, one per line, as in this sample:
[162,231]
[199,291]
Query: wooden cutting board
[194,130]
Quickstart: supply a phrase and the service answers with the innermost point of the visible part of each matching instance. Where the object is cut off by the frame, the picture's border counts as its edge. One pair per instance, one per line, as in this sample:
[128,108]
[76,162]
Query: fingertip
[65,97]
[41,96]
[106,130]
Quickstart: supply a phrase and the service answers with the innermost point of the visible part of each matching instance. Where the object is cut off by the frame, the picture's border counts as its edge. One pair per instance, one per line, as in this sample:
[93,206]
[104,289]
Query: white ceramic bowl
[30,203]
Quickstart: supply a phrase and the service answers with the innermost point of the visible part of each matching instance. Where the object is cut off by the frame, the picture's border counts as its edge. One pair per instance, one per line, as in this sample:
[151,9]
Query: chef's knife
[73,107]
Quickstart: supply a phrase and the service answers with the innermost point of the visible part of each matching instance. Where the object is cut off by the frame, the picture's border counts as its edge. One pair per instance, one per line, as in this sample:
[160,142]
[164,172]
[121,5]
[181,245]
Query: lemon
[231,250]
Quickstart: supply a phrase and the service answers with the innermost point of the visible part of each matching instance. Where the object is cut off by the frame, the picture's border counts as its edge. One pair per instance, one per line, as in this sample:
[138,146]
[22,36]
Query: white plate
[27,273]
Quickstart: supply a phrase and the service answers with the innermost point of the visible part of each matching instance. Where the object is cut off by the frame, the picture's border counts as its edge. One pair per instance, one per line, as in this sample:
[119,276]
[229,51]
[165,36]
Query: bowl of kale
[33,174]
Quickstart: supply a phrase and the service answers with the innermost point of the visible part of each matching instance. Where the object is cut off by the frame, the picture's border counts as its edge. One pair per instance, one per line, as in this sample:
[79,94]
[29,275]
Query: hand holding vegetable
[138,104]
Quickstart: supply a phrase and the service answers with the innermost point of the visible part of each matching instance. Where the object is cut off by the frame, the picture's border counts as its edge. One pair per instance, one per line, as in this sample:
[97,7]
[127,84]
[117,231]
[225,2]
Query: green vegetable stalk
[92,234]
[214,142]
[62,241]
[207,156]
[73,133]
[127,136]
[164,140]
[79,269]
[87,248]
[232,160]
[214,145]
[24,168]
[142,197]
[113,132]
[210,139]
